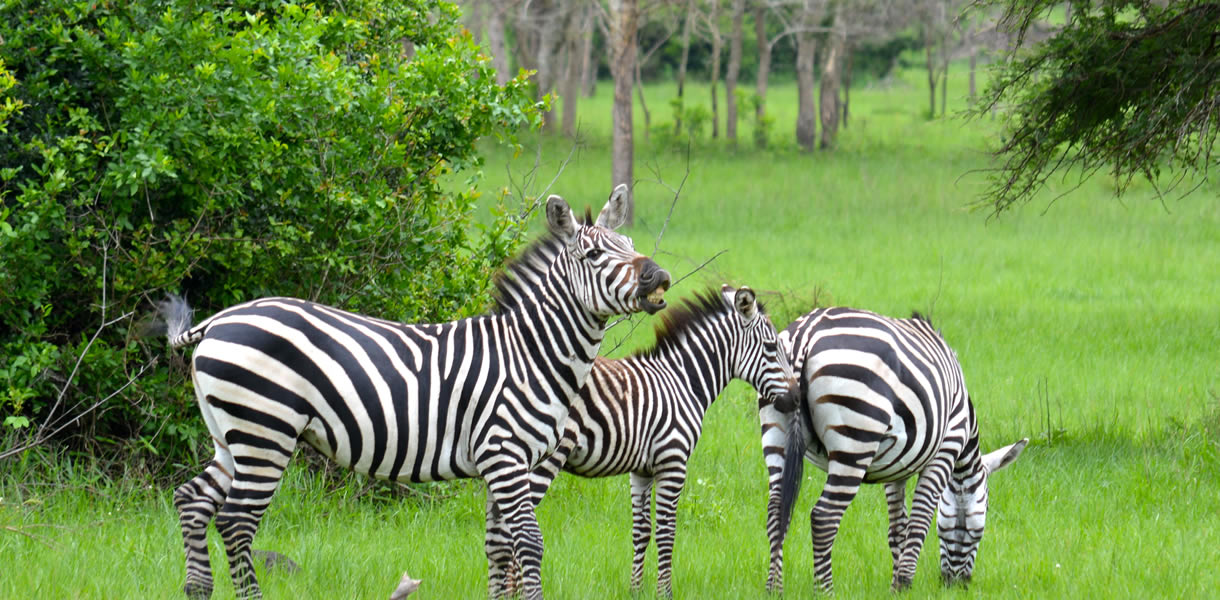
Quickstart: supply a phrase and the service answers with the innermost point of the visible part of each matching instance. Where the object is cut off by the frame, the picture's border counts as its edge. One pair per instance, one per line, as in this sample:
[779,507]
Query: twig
[20,531]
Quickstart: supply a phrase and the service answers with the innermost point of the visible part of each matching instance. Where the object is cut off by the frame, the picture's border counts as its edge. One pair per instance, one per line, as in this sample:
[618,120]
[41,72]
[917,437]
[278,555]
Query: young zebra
[643,414]
[883,399]
[481,397]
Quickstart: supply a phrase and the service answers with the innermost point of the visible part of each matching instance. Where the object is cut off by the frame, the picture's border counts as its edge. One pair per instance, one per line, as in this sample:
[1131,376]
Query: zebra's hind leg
[196,502]
[669,489]
[258,474]
[896,499]
[932,482]
[641,525]
[842,484]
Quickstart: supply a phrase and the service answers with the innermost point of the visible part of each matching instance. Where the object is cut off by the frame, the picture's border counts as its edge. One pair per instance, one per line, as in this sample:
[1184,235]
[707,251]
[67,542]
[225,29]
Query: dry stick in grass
[45,431]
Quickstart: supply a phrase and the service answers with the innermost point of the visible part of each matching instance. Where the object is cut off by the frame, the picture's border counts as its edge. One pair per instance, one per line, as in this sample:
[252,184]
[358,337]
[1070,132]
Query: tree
[730,76]
[226,152]
[624,16]
[1129,86]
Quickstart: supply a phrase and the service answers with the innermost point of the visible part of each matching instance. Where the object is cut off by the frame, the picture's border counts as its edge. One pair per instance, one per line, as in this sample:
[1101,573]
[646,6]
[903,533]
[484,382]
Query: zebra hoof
[901,583]
[196,590]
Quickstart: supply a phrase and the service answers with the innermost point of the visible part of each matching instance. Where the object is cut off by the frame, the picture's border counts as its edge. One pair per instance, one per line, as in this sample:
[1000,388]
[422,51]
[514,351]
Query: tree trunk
[588,66]
[831,72]
[551,27]
[686,27]
[625,16]
[974,55]
[496,42]
[931,66]
[639,88]
[730,77]
[760,80]
[944,81]
[570,89]
[806,115]
[847,59]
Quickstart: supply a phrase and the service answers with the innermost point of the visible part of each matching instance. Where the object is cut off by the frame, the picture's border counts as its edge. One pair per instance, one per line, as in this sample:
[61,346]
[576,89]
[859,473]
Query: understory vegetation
[1084,323]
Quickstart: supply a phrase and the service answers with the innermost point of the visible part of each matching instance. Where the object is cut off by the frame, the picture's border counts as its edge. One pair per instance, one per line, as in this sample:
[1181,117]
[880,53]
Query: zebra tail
[794,463]
[176,315]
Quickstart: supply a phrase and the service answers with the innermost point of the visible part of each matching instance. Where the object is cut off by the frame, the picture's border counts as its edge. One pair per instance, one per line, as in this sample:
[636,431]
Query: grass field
[1088,324]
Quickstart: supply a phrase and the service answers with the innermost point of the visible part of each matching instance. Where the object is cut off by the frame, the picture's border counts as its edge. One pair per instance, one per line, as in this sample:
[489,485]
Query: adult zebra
[485,396]
[883,399]
[643,414]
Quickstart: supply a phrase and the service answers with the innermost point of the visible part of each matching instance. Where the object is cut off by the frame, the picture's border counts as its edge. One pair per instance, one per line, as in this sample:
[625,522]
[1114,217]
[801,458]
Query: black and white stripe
[643,414]
[481,397]
[883,400]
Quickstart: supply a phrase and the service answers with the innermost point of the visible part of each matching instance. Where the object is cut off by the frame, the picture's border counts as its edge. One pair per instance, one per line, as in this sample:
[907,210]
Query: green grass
[1087,324]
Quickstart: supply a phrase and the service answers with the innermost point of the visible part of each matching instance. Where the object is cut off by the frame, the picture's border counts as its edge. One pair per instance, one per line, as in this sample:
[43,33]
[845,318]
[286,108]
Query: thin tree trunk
[974,55]
[848,54]
[760,80]
[497,43]
[831,73]
[551,27]
[944,82]
[730,77]
[588,66]
[570,89]
[639,88]
[806,115]
[625,15]
[686,27]
[931,66]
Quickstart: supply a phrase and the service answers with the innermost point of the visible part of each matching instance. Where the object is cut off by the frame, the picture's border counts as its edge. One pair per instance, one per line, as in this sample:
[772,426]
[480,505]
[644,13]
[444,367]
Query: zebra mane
[688,315]
[524,272]
[918,316]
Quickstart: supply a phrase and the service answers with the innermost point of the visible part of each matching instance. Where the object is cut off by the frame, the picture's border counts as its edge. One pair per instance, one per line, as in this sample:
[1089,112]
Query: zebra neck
[699,360]
[559,338]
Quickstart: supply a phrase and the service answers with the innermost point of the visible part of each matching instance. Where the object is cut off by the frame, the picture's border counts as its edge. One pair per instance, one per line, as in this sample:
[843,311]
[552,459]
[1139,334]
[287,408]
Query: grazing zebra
[643,414]
[883,399]
[480,397]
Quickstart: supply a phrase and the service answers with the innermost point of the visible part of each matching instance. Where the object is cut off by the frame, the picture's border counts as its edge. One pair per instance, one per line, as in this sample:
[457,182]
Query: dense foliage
[1128,86]
[225,151]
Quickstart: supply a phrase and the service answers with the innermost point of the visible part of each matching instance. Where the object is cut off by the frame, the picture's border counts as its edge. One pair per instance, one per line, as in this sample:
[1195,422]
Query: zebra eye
[593,254]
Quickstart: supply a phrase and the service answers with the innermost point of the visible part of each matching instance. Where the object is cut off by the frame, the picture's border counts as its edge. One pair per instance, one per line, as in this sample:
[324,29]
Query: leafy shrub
[226,151]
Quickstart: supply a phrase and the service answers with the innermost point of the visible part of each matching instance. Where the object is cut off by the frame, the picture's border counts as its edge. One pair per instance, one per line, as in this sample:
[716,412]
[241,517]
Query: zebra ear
[614,213]
[744,302]
[559,218]
[998,459]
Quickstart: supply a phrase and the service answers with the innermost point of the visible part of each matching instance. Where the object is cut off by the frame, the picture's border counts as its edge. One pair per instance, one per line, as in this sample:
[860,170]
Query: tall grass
[1085,323]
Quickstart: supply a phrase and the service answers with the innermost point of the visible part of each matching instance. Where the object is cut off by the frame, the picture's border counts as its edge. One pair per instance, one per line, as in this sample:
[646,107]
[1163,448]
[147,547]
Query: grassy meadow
[1087,324]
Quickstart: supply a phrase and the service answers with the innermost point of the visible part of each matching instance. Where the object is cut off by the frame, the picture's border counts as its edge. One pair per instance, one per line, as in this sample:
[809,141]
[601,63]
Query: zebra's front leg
[196,502]
[509,488]
[669,489]
[932,482]
[896,500]
[502,574]
[641,525]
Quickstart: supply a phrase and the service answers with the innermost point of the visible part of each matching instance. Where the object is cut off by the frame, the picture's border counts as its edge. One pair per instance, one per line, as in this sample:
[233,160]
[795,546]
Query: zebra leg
[196,502]
[510,490]
[501,544]
[669,490]
[258,474]
[641,525]
[842,485]
[499,547]
[896,499]
[773,441]
[932,482]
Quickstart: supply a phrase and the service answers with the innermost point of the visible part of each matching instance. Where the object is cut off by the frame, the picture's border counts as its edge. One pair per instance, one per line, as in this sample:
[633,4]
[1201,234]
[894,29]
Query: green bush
[226,151]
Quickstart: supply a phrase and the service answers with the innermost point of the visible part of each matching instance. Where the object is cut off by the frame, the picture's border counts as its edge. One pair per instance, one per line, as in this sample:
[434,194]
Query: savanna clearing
[1084,323]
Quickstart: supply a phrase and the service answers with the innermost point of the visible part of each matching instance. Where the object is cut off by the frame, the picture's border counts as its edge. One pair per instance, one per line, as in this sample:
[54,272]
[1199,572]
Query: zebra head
[758,357]
[963,513]
[607,275]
